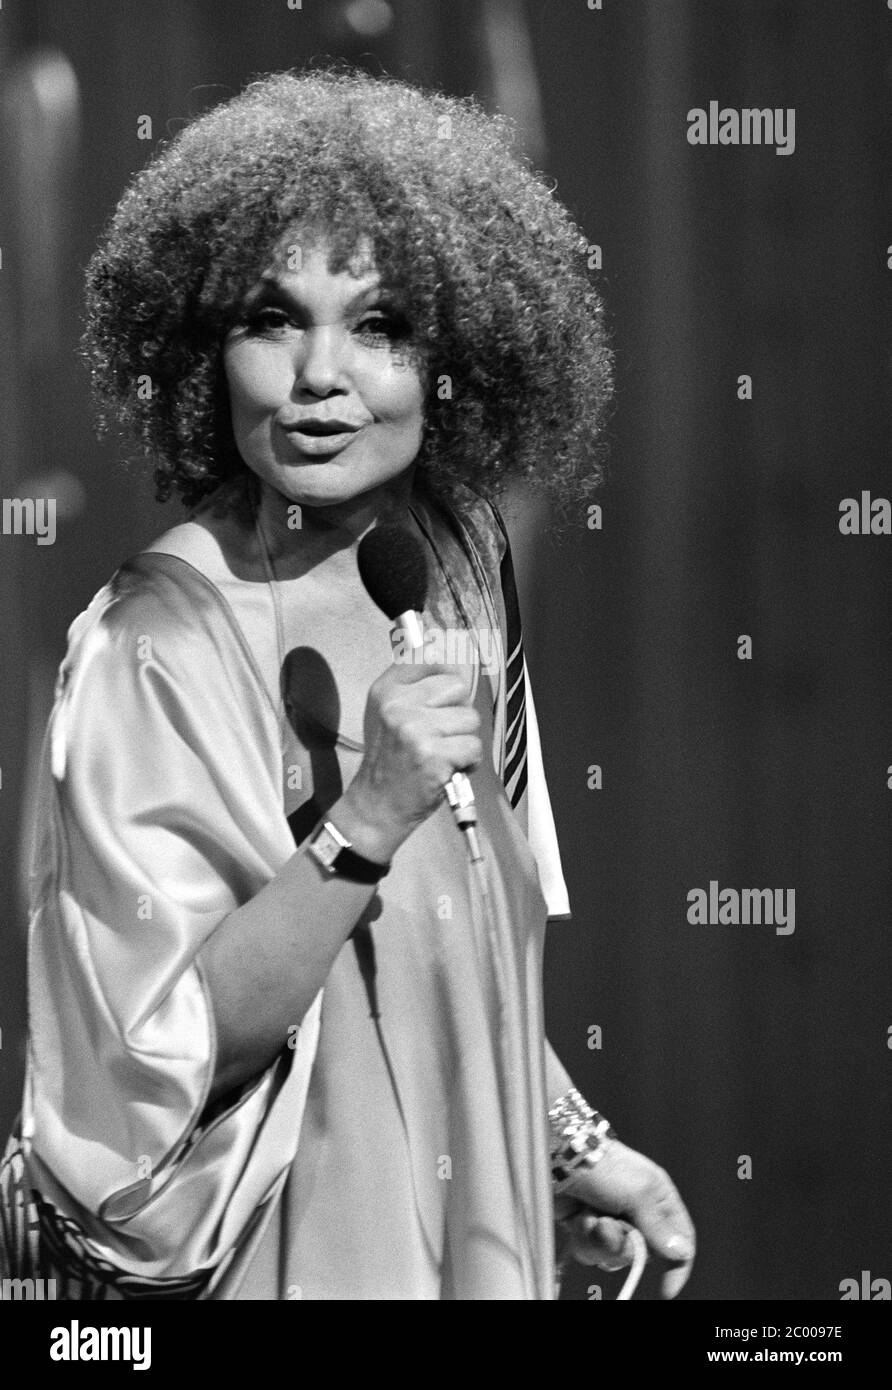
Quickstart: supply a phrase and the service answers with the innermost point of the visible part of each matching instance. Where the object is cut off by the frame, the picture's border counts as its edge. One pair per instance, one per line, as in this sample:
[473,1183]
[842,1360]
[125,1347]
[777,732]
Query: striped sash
[515,771]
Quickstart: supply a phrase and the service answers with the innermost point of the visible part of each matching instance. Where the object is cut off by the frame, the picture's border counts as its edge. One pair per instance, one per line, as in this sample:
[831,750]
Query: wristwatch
[336,856]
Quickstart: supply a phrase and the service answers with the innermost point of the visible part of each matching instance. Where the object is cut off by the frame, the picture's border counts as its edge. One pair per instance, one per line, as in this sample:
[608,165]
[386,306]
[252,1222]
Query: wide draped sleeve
[159,812]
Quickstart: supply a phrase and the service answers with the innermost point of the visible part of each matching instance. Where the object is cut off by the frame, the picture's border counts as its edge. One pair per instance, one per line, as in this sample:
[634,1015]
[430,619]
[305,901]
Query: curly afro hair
[493,272]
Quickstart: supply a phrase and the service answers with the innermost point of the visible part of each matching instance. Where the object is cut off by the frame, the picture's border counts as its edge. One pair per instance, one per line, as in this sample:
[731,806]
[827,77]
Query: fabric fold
[161,787]
[165,806]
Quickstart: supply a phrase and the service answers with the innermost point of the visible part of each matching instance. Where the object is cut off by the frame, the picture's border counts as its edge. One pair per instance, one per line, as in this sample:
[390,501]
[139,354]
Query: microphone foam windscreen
[393,568]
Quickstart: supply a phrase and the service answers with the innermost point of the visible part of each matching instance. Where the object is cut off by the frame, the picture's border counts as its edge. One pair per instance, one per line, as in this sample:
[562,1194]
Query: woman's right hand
[419,729]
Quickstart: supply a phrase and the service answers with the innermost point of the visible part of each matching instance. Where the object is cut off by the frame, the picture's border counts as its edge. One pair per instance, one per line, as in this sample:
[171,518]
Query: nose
[320,367]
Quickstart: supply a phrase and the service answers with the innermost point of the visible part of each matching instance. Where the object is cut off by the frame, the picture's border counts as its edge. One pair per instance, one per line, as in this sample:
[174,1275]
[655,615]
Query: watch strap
[334,853]
[355,866]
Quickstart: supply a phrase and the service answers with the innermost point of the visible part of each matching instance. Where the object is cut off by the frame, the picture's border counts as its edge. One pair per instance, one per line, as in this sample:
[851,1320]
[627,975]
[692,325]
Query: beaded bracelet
[578,1136]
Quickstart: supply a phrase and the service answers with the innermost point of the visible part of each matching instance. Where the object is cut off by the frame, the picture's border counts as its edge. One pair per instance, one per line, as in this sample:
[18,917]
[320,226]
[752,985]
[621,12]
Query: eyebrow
[270,283]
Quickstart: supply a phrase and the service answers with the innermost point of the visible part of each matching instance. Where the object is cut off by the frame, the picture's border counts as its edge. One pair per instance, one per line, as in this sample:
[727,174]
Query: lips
[316,426]
[321,437]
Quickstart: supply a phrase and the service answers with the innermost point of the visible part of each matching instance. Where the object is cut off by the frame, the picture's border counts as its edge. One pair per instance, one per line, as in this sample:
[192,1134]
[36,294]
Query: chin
[324,484]
[321,491]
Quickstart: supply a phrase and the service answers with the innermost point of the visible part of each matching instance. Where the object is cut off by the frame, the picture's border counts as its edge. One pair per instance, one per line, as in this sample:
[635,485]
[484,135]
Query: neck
[329,535]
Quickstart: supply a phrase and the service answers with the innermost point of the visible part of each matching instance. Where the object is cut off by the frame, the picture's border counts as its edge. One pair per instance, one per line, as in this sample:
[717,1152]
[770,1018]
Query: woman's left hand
[625,1184]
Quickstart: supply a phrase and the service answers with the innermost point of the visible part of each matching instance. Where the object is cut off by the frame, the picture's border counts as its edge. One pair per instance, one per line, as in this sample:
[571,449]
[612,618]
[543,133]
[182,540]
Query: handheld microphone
[393,568]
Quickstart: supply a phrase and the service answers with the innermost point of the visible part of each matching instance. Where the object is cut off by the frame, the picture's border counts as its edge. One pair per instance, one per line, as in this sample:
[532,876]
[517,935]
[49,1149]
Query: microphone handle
[459,792]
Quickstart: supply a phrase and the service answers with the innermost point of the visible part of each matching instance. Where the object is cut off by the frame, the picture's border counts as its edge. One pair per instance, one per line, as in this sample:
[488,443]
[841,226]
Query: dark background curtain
[720,518]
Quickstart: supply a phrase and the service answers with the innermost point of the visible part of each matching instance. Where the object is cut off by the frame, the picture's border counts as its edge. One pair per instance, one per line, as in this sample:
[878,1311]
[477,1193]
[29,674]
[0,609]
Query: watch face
[325,848]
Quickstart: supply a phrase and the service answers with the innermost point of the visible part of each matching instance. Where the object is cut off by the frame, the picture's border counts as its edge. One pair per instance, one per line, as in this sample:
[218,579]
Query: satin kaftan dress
[397,1148]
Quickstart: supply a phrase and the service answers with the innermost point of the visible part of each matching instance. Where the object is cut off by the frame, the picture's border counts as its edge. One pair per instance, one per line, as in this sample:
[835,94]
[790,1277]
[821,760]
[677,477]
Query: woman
[286,1041]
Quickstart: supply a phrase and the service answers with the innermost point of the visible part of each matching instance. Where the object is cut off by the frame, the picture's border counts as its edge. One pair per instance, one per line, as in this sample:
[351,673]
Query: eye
[380,327]
[267,321]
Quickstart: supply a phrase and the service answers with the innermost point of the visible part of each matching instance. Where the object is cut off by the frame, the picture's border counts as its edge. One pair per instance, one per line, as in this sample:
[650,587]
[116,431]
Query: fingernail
[679,1248]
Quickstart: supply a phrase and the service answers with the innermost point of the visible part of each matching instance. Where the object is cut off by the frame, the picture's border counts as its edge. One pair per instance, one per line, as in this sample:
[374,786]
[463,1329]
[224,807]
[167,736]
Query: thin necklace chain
[272,584]
[280,623]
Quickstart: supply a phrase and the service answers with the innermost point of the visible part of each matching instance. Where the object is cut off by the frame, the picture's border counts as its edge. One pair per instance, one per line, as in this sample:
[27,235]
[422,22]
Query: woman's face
[326,405]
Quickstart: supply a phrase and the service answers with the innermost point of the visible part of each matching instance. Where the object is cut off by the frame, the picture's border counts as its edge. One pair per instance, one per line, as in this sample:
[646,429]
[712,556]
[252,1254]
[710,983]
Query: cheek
[258,378]
[396,395]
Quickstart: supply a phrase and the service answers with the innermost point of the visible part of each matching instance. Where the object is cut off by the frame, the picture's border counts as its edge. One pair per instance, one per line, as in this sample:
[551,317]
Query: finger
[448,688]
[419,670]
[409,672]
[663,1220]
[464,752]
[674,1279]
[457,719]
[601,1241]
